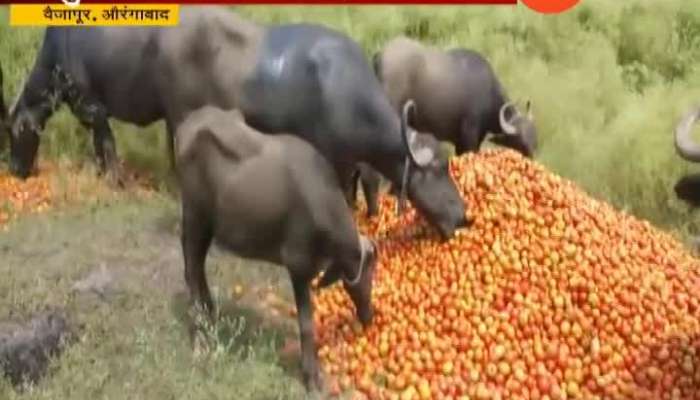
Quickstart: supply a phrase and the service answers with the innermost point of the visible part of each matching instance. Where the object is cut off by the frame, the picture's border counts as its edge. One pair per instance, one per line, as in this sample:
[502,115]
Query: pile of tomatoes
[551,294]
[24,196]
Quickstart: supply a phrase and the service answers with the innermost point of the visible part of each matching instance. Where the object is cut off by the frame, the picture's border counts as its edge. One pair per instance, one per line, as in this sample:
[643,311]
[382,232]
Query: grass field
[608,82]
[133,342]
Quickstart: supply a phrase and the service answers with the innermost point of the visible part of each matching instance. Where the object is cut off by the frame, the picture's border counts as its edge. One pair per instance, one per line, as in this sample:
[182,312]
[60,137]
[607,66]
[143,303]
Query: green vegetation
[608,81]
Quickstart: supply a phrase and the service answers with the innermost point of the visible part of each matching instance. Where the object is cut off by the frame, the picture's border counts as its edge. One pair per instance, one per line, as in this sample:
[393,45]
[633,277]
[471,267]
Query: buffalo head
[27,116]
[427,179]
[359,286]
[518,130]
[24,142]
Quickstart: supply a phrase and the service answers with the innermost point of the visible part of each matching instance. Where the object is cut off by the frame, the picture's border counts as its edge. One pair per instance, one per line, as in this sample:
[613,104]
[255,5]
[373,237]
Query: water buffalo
[273,198]
[688,187]
[304,79]
[458,97]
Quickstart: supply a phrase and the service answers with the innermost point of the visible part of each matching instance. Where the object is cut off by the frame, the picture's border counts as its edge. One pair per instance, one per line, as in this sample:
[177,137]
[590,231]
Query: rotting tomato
[550,294]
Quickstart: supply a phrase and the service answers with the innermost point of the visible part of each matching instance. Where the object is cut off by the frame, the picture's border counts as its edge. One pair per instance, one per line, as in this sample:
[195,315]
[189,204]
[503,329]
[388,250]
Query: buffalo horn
[508,128]
[685,146]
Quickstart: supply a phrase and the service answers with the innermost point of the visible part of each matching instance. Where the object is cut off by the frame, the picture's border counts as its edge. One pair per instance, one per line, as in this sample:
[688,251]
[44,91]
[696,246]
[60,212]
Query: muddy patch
[27,347]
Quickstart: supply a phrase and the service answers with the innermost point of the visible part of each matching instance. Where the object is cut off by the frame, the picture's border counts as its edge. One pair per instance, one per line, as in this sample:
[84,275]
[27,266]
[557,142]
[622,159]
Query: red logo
[550,6]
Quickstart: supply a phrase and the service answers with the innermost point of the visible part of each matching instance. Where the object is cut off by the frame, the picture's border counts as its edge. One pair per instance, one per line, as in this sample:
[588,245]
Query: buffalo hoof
[200,345]
[113,173]
[26,349]
[116,179]
[314,383]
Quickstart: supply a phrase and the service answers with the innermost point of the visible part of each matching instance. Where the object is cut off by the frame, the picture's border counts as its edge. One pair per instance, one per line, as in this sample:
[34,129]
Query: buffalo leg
[309,358]
[170,130]
[469,139]
[94,116]
[171,178]
[370,188]
[196,238]
[106,151]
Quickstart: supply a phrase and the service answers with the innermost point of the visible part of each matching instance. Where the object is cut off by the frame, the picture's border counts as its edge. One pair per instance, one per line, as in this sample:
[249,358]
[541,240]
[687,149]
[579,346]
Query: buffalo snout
[465,222]
[24,146]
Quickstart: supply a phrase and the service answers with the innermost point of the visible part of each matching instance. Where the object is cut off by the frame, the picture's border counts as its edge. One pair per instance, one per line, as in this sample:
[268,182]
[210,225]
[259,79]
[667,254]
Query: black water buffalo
[688,187]
[457,95]
[304,79]
[268,197]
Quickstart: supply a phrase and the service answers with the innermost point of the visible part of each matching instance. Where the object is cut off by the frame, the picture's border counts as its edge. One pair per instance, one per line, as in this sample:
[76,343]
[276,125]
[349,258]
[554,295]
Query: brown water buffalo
[272,198]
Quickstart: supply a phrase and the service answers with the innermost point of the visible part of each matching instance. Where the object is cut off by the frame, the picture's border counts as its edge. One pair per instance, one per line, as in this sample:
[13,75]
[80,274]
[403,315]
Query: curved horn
[508,128]
[423,156]
[685,146]
[405,131]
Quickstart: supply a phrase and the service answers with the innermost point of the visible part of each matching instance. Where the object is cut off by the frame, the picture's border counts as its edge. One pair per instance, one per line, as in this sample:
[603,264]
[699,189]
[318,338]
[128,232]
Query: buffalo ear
[415,142]
[423,155]
[423,147]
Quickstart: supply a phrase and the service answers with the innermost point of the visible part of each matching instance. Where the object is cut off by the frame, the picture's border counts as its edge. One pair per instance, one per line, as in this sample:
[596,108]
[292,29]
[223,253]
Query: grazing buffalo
[457,95]
[273,198]
[307,80]
[688,187]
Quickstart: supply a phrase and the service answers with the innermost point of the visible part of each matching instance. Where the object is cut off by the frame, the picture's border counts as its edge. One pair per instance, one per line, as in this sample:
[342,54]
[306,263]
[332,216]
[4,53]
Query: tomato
[549,294]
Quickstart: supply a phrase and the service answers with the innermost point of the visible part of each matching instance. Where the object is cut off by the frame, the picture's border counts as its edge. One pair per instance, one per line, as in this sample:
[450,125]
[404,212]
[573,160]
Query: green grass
[134,345]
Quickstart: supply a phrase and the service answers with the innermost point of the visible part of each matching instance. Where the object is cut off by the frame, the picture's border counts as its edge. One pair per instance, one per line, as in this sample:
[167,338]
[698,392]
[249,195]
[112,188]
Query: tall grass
[608,82]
